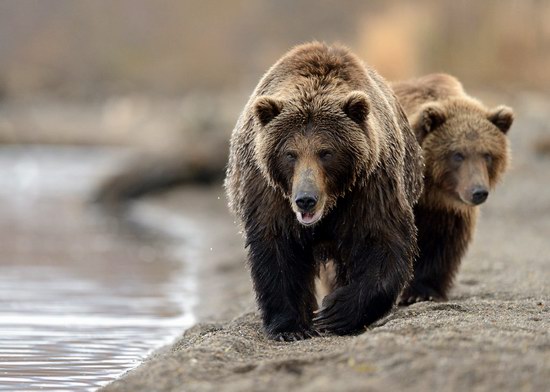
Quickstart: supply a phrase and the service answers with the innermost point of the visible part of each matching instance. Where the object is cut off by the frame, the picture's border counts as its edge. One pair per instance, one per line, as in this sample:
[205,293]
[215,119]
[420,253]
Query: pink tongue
[307,216]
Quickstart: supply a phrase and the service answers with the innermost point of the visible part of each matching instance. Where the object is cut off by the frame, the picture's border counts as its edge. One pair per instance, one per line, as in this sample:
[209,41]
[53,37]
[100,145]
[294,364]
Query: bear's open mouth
[309,218]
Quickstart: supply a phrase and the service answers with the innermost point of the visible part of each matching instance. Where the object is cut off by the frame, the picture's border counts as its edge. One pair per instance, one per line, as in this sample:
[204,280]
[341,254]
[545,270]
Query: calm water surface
[81,299]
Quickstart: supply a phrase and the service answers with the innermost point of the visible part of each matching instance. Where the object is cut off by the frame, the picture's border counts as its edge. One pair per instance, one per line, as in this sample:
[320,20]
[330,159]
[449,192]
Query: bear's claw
[338,314]
[294,336]
[419,293]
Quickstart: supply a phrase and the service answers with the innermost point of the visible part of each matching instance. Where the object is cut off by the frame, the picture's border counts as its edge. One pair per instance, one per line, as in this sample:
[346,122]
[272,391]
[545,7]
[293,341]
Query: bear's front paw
[418,292]
[340,313]
[294,336]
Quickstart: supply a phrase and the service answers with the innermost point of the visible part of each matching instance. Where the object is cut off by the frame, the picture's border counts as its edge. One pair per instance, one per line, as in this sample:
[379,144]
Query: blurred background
[91,89]
[123,59]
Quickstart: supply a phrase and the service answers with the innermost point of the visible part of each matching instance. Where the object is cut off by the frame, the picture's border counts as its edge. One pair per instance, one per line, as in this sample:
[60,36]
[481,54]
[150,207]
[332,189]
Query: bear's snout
[308,206]
[479,195]
[308,196]
[305,201]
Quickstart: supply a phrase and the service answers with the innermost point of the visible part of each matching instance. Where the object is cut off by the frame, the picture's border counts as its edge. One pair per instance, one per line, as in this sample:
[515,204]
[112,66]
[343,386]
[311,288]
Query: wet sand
[492,335]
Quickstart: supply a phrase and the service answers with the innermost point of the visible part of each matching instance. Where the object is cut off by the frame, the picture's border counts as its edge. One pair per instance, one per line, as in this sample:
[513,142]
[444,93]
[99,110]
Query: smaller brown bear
[466,152]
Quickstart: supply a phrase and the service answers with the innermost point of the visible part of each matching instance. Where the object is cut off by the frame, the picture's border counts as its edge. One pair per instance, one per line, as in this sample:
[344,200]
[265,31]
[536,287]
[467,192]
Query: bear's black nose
[305,202]
[479,195]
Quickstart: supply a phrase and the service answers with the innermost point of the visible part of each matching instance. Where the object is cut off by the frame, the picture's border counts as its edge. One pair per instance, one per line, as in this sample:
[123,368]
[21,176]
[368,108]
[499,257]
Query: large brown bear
[466,152]
[323,165]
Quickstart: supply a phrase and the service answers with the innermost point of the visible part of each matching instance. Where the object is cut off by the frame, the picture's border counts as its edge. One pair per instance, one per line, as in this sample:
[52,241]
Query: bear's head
[465,147]
[314,150]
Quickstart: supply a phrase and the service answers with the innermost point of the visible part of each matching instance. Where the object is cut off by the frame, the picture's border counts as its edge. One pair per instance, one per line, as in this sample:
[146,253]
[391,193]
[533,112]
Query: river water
[82,298]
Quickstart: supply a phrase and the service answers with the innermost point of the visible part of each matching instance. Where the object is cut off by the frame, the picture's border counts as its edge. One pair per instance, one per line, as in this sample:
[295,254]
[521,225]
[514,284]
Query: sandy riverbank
[493,334]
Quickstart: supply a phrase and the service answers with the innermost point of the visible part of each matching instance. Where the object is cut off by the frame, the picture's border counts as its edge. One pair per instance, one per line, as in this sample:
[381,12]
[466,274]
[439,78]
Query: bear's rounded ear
[356,106]
[267,108]
[502,117]
[430,116]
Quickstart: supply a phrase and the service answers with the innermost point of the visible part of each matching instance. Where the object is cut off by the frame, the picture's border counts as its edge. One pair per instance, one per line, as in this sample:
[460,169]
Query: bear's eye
[325,155]
[291,156]
[488,158]
[457,157]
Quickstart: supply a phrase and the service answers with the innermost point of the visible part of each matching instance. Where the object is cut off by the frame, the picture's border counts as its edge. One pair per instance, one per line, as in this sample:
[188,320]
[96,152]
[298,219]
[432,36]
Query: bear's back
[414,93]
[313,67]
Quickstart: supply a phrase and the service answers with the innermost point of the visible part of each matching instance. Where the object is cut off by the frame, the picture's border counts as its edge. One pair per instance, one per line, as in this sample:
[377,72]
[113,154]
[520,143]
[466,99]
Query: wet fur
[368,227]
[445,119]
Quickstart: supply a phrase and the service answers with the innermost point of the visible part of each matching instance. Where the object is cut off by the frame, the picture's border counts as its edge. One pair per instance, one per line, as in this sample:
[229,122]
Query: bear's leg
[283,275]
[443,238]
[433,276]
[377,271]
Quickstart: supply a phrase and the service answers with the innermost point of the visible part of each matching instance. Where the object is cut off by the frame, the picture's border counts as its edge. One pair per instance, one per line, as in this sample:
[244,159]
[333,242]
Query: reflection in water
[81,300]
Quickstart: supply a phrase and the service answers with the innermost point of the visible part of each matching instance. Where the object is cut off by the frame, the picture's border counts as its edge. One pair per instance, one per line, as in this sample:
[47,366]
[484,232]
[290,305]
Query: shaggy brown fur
[323,165]
[466,152]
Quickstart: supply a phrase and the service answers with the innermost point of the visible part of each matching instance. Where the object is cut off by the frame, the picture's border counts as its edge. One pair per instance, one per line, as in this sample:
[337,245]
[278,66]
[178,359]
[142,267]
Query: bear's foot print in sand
[245,368]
